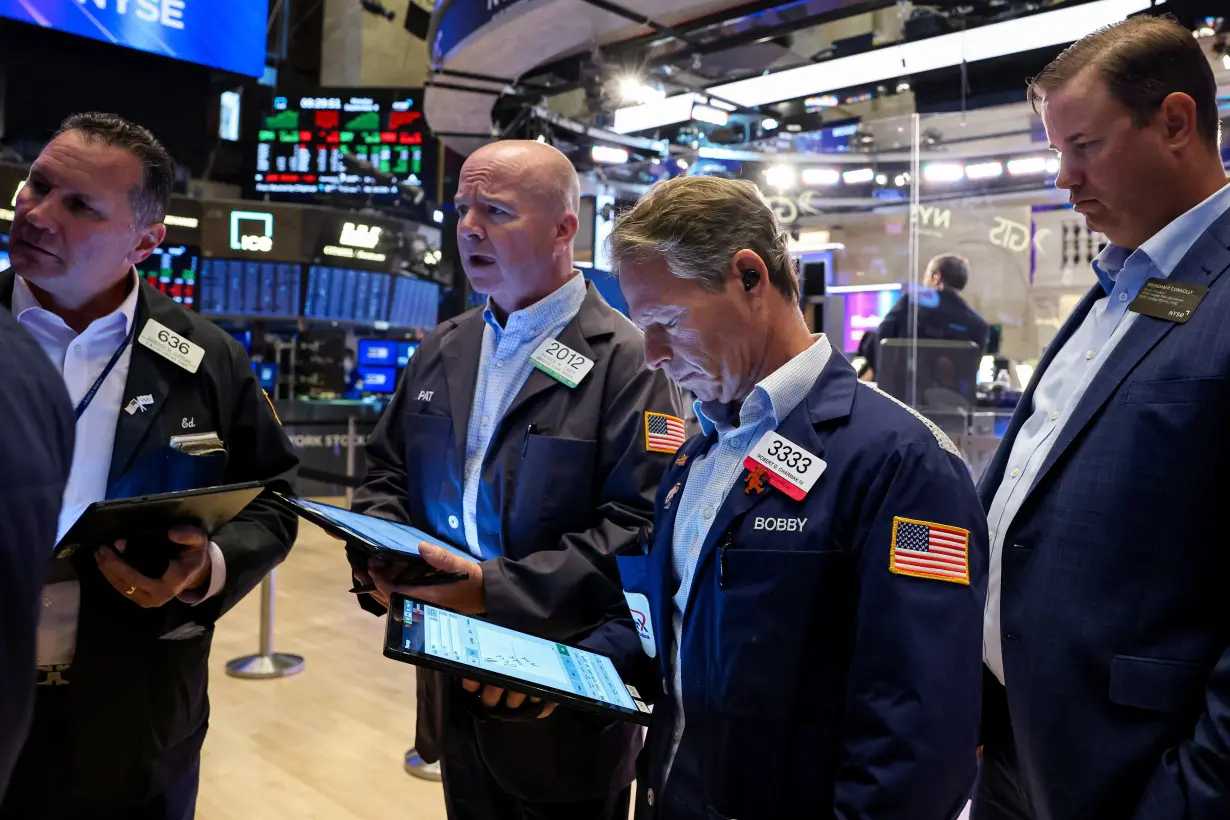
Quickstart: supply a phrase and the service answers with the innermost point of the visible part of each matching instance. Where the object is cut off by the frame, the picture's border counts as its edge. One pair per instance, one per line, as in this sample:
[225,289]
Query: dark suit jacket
[942,314]
[1115,611]
[36,452]
[560,502]
[138,700]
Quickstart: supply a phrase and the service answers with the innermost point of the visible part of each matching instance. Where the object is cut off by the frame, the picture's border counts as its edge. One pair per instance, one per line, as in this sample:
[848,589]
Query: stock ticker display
[301,150]
[347,295]
[172,270]
[242,287]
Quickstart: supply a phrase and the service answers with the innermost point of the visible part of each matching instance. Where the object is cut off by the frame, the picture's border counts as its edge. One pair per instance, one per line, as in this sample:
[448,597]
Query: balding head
[517,203]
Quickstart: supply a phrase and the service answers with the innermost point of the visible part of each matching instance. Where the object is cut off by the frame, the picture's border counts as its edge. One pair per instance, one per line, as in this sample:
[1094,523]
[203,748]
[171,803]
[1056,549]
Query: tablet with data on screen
[468,647]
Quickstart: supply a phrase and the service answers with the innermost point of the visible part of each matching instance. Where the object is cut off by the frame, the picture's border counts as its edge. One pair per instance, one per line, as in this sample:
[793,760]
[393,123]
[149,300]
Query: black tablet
[468,647]
[150,516]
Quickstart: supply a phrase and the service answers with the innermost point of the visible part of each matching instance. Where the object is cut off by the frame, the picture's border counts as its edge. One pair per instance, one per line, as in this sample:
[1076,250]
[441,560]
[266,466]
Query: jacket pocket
[1175,391]
[554,484]
[428,440]
[1156,684]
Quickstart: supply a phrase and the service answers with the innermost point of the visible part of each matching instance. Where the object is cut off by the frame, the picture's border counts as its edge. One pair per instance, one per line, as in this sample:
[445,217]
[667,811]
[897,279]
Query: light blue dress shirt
[1122,273]
[713,475]
[503,368]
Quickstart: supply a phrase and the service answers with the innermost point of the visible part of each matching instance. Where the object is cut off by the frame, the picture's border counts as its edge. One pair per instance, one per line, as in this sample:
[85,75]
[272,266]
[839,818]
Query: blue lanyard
[98,383]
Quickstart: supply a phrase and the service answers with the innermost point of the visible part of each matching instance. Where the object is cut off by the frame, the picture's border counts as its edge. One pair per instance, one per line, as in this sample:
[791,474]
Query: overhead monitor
[242,287]
[173,271]
[225,34]
[347,295]
[350,142]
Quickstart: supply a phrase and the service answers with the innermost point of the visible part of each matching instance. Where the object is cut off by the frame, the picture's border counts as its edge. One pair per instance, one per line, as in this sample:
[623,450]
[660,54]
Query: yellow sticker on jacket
[663,433]
[926,550]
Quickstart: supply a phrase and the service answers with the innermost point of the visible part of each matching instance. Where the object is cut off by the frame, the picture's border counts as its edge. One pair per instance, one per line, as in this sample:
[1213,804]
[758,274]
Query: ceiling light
[859,176]
[899,180]
[820,176]
[903,87]
[711,115]
[635,90]
[683,164]
[943,172]
[1052,165]
[608,154]
[725,106]
[984,170]
[1225,60]
[881,179]
[782,177]
[1028,165]
[437,216]
[794,128]
[768,123]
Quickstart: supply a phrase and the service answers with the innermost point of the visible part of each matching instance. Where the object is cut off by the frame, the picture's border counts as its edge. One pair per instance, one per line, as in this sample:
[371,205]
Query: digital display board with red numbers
[172,270]
[301,151]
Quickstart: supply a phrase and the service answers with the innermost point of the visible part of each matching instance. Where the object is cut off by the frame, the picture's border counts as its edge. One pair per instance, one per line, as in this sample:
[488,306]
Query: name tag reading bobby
[791,469]
[171,346]
[1172,301]
[561,362]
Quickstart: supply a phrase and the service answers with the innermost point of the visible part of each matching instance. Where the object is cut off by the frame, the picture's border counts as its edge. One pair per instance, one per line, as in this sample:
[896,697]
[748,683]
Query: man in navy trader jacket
[815,619]
[36,451]
[542,480]
[1108,619]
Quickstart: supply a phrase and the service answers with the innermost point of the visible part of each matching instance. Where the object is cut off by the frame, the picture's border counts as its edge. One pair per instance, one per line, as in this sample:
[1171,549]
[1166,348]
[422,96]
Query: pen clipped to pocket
[198,444]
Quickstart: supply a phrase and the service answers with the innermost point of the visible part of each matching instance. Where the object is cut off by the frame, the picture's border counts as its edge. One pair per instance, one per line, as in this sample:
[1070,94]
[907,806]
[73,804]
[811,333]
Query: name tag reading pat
[1172,301]
[171,346]
[791,469]
[561,362]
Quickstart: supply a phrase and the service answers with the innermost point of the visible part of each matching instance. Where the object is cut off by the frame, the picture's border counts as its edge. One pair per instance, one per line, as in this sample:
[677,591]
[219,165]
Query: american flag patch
[663,433]
[927,550]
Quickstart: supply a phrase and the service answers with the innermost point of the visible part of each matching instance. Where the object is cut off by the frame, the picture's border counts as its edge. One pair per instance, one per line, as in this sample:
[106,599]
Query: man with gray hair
[818,568]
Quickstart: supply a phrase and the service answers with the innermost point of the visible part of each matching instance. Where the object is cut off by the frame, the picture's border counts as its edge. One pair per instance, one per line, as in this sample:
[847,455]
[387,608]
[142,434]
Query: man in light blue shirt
[1108,664]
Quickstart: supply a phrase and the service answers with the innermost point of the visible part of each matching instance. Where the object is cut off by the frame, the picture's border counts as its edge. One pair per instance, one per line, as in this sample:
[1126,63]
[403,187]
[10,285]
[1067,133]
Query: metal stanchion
[417,767]
[266,663]
[351,436]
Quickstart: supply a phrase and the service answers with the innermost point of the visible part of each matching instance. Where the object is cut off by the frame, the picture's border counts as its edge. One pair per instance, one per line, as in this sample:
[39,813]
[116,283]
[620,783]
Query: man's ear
[148,241]
[566,231]
[748,268]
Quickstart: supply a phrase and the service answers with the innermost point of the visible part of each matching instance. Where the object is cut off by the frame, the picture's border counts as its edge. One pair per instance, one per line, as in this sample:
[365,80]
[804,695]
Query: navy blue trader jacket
[818,682]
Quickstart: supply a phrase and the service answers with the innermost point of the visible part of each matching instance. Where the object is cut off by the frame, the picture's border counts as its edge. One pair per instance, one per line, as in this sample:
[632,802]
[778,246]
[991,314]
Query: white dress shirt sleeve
[217,578]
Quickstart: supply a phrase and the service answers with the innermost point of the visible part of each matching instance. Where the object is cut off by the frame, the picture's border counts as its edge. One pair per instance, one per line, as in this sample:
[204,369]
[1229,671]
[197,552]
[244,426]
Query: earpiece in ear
[751,278]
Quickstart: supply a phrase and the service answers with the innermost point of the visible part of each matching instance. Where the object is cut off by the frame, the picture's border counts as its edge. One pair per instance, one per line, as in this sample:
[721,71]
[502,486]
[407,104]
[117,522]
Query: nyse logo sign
[1012,236]
[242,236]
[934,217]
[360,236]
[167,13]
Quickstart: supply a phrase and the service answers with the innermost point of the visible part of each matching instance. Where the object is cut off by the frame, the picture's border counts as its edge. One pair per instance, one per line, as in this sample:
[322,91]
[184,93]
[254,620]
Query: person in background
[1108,623]
[36,451]
[543,481]
[122,709]
[942,312]
[817,573]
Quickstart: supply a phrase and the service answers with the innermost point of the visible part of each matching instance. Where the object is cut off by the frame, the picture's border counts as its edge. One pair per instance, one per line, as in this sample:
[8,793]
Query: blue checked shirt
[1122,273]
[713,475]
[503,367]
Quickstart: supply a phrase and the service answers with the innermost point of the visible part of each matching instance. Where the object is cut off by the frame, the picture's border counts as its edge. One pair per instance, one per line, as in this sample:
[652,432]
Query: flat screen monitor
[225,34]
[172,270]
[347,295]
[378,379]
[267,375]
[379,352]
[304,147]
[864,310]
[416,303]
[244,287]
[405,352]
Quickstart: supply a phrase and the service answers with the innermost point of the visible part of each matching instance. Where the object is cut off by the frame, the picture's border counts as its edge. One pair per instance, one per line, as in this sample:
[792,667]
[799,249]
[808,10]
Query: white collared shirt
[80,359]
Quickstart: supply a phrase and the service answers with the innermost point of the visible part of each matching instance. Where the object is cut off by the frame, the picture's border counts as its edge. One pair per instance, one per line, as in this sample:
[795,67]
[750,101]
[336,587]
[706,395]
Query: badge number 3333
[791,469]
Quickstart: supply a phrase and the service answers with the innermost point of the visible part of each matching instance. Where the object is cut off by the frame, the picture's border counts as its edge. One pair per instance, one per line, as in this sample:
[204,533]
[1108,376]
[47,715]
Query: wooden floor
[326,744]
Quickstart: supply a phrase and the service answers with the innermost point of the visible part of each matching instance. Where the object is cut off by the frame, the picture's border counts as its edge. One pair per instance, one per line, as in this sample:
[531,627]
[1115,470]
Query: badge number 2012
[171,346]
[561,362]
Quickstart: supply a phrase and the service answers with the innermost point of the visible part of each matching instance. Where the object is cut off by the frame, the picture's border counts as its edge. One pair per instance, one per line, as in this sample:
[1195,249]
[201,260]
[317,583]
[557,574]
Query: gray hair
[151,200]
[697,224]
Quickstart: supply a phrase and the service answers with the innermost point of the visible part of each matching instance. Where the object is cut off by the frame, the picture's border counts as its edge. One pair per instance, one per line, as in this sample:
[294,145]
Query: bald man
[543,478]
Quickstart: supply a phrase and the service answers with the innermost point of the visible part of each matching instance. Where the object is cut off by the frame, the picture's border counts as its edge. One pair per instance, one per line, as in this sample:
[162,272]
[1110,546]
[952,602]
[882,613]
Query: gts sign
[251,231]
[167,13]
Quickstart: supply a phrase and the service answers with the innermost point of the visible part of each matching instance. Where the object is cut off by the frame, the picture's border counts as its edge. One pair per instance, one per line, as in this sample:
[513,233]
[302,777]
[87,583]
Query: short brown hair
[953,270]
[697,224]
[151,200]
[1142,60]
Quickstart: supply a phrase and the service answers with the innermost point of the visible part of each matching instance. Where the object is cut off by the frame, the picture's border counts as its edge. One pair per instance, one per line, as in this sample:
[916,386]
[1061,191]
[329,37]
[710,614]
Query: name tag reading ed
[791,469]
[561,362]
[1163,299]
[171,346]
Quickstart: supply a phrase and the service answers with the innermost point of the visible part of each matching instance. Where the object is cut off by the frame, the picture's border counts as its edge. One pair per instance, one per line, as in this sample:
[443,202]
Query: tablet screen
[399,537]
[496,650]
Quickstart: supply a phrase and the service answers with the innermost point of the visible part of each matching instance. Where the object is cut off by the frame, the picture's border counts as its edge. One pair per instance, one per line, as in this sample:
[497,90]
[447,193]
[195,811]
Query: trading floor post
[351,435]
[266,663]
